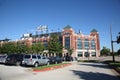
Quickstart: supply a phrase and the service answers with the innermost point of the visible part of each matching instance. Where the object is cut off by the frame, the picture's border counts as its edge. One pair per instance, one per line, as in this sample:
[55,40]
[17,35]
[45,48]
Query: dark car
[68,58]
[55,60]
[14,59]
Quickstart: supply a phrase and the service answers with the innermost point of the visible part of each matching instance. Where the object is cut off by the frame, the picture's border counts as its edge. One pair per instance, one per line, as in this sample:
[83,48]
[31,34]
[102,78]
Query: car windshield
[27,56]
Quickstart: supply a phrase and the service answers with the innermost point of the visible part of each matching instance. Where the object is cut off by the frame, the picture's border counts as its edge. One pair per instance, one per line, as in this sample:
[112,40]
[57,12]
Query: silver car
[3,58]
[35,60]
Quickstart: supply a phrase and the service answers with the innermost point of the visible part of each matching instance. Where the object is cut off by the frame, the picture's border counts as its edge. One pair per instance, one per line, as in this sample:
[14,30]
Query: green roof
[94,30]
[67,27]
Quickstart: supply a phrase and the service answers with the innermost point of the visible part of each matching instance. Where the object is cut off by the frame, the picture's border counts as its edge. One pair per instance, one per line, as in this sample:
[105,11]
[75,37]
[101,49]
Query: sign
[27,35]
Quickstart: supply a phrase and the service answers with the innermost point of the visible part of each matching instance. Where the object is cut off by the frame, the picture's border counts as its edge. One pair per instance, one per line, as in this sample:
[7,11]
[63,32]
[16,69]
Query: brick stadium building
[82,45]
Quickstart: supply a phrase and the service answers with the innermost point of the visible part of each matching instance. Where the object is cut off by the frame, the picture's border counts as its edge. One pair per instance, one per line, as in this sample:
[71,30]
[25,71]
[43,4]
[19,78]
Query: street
[77,71]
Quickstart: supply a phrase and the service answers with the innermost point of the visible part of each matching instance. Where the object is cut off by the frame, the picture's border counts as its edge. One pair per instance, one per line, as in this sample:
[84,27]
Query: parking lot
[76,71]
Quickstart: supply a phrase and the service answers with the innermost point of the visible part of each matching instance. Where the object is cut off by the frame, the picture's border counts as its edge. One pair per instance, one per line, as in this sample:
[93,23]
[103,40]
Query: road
[77,71]
[103,58]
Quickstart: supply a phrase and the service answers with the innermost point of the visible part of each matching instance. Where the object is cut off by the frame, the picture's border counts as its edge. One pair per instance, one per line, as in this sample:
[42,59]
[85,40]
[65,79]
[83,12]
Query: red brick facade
[74,44]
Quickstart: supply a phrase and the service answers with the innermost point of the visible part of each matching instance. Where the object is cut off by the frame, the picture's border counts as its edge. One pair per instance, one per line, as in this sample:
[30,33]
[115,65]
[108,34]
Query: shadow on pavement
[94,76]
[99,65]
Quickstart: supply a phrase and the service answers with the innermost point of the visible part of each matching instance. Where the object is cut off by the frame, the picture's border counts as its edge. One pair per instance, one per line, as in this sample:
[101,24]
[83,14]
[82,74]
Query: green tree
[105,51]
[70,51]
[37,48]
[22,49]
[0,49]
[54,45]
[118,52]
[8,48]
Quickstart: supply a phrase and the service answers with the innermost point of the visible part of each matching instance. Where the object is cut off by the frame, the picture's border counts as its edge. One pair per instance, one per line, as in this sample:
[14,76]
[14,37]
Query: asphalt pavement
[76,71]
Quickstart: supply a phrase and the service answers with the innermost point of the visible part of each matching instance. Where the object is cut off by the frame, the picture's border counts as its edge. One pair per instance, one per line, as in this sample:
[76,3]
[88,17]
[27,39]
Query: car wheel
[48,63]
[17,63]
[36,64]
[56,62]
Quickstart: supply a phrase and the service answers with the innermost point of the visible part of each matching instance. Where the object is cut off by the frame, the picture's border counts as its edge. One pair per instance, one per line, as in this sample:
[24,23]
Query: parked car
[14,59]
[55,60]
[68,58]
[35,60]
[3,58]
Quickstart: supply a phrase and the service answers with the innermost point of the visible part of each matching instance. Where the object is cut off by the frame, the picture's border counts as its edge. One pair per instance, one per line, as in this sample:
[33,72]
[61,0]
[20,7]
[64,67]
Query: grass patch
[115,65]
[49,66]
[108,62]
[88,61]
[118,68]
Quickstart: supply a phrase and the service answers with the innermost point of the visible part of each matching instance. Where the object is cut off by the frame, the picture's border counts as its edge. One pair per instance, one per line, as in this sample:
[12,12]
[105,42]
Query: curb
[52,68]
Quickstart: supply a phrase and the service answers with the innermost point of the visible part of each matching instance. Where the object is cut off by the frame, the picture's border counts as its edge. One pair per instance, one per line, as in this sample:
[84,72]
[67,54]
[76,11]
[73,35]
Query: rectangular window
[67,42]
[34,56]
[86,44]
[93,44]
[80,54]
[79,43]
[93,54]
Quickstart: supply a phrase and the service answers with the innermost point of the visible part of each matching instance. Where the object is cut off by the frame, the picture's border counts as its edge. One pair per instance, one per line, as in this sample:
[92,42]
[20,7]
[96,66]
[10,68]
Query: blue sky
[21,16]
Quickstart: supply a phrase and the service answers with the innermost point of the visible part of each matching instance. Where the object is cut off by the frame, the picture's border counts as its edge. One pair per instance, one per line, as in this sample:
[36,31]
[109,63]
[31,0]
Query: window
[33,56]
[67,42]
[45,41]
[27,56]
[80,54]
[86,44]
[93,54]
[79,43]
[86,54]
[93,44]
[39,57]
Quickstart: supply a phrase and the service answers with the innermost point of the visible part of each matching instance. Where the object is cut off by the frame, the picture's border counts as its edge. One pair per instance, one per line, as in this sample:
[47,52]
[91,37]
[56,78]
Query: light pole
[112,45]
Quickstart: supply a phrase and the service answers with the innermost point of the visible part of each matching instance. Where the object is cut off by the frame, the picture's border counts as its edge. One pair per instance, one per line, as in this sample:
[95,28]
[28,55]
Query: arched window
[67,42]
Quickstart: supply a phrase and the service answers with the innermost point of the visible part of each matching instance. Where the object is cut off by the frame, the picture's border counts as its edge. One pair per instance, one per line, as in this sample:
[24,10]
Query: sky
[18,17]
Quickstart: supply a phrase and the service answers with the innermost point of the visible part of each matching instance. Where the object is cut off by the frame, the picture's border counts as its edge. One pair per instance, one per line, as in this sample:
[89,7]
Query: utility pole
[112,45]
